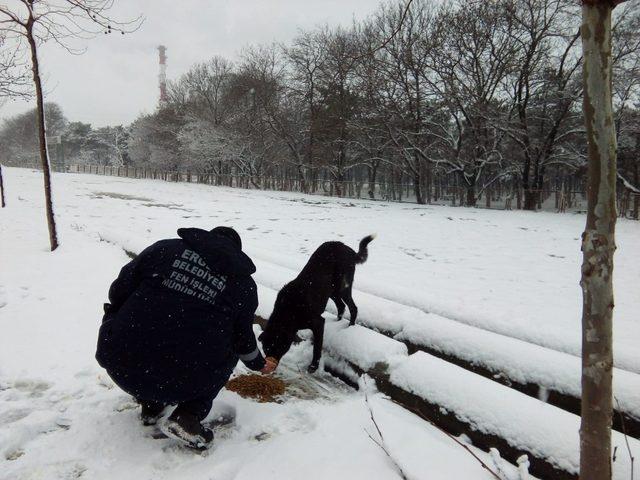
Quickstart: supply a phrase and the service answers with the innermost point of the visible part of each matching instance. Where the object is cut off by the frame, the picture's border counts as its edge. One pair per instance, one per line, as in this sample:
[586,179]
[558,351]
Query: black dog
[300,304]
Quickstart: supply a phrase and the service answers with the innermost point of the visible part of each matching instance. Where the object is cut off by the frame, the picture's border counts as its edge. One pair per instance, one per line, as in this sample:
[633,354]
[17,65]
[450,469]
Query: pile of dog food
[263,388]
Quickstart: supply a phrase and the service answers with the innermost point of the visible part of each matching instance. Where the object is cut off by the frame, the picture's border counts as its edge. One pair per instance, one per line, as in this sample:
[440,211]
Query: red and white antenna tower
[162,77]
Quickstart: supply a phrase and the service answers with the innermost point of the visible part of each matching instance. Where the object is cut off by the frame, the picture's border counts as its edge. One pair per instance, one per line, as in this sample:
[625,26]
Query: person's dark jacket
[180,316]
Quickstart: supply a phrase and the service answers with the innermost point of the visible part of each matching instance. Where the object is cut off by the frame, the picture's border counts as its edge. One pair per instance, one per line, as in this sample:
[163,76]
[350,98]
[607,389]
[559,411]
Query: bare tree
[543,90]
[407,101]
[260,84]
[626,86]
[14,73]
[201,91]
[2,201]
[14,83]
[598,242]
[478,55]
[336,92]
[473,98]
[306,58]
[38,21]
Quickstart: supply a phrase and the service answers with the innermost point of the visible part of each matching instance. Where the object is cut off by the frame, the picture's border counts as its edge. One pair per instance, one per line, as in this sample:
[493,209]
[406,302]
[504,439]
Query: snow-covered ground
[515,273]
[512,273]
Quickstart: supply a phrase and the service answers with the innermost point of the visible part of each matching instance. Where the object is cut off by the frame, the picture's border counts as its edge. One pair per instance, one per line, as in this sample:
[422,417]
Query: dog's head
[276,341]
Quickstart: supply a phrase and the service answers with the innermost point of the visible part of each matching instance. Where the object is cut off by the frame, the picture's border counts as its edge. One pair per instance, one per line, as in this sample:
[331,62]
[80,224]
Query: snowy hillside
[435,275]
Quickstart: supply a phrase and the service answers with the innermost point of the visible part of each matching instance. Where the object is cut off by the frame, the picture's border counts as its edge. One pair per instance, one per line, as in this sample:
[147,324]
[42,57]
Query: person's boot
[150,413]
[187,429]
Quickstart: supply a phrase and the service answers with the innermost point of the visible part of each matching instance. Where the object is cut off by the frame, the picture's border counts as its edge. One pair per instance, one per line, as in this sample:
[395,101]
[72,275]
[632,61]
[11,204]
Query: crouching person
[180,317]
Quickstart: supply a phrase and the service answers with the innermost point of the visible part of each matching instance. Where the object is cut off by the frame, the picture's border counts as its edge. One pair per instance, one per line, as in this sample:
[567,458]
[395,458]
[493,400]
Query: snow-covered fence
[507,195]
[463,403]
[347,189]
[534,370]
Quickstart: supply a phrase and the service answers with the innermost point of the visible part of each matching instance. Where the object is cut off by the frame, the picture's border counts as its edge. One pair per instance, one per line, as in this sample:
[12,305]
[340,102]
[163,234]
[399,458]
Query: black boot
[186,428]
[151,412]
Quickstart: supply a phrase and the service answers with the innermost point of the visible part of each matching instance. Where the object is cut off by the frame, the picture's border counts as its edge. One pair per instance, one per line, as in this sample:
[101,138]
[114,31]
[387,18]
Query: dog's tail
[363,253]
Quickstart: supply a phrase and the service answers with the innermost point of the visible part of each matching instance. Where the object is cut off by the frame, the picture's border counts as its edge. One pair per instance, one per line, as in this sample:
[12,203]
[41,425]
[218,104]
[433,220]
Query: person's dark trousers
[152,407]
[198,407]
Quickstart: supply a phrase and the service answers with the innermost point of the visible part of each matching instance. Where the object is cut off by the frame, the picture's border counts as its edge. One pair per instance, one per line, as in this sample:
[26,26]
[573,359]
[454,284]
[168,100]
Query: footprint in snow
[14,454]
[34,388]
[124,406]
[64,423]
[415,253]
[15,415]
[77,471]
[105,381]
[296,420]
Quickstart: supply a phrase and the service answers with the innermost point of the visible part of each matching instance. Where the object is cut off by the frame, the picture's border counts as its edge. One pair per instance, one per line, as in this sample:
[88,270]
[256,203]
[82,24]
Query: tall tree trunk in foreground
[2,204]
[598,244]
[636,198]
[42,138]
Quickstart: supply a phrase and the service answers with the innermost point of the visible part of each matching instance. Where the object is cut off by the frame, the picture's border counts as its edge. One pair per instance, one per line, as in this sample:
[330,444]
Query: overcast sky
[117,77]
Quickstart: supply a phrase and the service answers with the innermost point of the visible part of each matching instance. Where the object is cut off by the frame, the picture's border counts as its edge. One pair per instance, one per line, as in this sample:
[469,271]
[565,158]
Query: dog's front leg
[317,327]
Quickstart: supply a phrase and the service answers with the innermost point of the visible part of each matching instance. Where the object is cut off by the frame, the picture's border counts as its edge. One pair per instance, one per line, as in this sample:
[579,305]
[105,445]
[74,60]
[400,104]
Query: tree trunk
[417,189]
[303,183]
[636,197]
[42,138]
[428,183]
[529,185]
[526,172]
[518,198]
[530,199]
[471,195]
[373,172]
[2,203]
[540,187]
[598,245]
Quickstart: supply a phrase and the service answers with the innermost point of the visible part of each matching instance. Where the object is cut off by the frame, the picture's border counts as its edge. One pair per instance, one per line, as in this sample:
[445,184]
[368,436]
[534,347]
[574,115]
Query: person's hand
[269,366]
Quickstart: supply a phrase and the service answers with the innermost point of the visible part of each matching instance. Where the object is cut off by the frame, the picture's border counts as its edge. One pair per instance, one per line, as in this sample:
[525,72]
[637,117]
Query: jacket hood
[219,252]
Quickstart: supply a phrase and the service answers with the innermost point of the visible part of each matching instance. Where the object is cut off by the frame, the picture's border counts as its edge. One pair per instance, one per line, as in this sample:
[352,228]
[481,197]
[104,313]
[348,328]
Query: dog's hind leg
[345,294]
[353,310]
[317,327]
[339,304]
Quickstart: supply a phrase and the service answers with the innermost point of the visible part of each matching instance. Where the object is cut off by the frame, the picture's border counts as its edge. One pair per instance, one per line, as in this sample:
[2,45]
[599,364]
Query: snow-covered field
[509,273]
